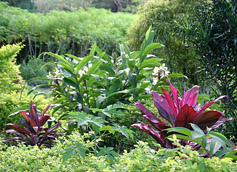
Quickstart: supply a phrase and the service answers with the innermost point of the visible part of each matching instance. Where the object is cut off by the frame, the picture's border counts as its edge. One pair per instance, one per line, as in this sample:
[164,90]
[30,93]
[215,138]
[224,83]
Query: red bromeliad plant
[178,113]
[33,132]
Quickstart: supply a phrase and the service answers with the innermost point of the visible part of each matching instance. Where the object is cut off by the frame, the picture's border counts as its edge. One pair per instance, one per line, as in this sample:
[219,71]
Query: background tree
[170,20]
[214,37]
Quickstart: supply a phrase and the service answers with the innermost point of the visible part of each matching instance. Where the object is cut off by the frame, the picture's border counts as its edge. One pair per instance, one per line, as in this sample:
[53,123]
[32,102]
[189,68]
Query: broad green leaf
[71,81]
[93,49]
[230,154]
[73,57]
[148,33]
[58,57]
[94,67]
[151,47]
[116,85]
[151,62]
[214,146]
[180,130]
[197,133]
[67,67]
[134,55]
[83,62]
[221,137]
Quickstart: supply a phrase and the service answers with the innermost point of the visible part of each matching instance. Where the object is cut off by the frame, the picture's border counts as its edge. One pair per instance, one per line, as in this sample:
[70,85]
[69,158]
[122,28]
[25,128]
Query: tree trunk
[118,5]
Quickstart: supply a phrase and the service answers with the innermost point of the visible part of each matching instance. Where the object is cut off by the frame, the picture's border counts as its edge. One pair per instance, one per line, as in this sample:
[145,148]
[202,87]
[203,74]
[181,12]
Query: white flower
[159,72]
[81,72]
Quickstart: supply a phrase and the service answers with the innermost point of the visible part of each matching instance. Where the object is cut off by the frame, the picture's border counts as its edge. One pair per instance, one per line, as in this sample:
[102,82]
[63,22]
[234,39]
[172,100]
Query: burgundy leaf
[156,122]
[210,103]
[220,122]
[53,127]
[190,97]
[163,107]
[147,112]
[43,119]
[33,114]
[207,119]
[170,101]
[146,128]
[12,139]
[12,131]
[158,125]
[25,116]
[175,94]
[33,123]
[19,128]
[185,117]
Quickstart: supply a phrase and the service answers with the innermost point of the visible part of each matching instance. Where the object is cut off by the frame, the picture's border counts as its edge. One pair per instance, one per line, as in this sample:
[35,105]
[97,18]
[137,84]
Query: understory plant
[32,131]
[212,143]
[178,112]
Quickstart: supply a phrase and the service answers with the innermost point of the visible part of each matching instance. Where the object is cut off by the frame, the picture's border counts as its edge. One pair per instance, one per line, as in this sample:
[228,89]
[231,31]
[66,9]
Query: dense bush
[214,36]
[62,32]
[142,158]
[9,72]
[32,69]
[12,95]
[170,20]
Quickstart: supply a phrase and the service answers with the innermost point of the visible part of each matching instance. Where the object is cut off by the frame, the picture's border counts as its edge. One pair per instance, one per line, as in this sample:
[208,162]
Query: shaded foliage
[171,20]
[215,38]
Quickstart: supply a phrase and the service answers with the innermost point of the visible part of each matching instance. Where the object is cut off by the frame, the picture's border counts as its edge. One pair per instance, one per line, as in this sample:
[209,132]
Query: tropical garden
[118,85]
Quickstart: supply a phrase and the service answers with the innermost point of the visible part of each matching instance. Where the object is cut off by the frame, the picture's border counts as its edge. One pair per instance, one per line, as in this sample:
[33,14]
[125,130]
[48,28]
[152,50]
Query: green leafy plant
[32,69]
[33,132]
[9,71]
[214,37]
[142,158]
[171,20]
[178,113]
[63,31]
[213,143]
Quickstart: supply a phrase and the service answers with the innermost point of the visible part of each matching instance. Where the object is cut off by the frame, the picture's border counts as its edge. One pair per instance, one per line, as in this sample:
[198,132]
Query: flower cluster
[159,72]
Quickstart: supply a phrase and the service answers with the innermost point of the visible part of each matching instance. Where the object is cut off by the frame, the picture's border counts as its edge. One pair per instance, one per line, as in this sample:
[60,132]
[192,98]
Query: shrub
[214,37]
[178,113]
[31,131]
[32,69]
[9,72]
[142,158]
[170,20]
[63,32]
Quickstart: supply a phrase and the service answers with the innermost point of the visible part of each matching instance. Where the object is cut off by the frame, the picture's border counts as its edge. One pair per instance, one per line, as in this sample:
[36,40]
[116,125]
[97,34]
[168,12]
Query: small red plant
[178,112]
[32,131]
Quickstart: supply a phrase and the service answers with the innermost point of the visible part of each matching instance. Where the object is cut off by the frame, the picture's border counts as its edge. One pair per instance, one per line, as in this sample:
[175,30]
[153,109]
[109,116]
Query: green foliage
[13,101]
[214,37]
[142,158]
[170,20]
[25,4]
[93,87]
[9,72]
[32,69]
[112,80]
[212,143]
[63,32]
